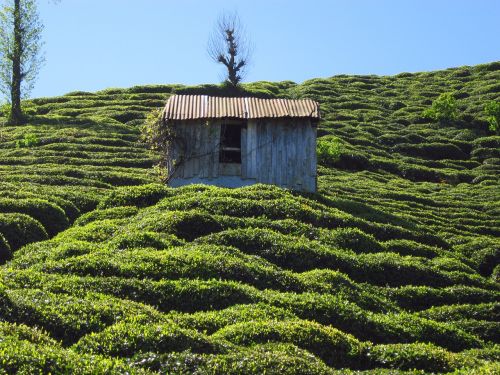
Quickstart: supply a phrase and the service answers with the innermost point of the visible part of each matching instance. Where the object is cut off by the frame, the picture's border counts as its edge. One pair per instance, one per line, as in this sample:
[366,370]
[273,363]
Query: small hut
[234,142]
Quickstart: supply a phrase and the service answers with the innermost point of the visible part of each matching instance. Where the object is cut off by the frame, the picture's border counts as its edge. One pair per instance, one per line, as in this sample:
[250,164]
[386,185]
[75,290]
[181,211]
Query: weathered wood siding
[274,151]
[281,152]
[201,157]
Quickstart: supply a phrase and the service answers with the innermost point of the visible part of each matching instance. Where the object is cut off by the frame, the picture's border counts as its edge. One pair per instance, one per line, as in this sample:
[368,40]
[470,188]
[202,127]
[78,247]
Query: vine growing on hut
[161,138]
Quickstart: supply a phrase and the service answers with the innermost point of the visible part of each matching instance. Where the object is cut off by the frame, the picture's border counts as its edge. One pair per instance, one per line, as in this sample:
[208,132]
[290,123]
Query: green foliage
[443,109]
[433,151]
[213,321]
[427,357]
[271,358]
[139,196]
[111,213]
[29,140]
[160,138]
[484,254]
[492,110]
[67,317]
[5,251]
[23,332]
[422,297]
[20,356]
[20,46]
[353,239]
[152,132]
[331,345]
[50,215]
[4,110]
[329,150]
[483,311]
[187,225]
[127,339]
[136,239]
[19,229]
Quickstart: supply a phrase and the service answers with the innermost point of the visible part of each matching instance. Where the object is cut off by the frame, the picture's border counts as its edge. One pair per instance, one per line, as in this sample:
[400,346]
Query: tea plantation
[392,268]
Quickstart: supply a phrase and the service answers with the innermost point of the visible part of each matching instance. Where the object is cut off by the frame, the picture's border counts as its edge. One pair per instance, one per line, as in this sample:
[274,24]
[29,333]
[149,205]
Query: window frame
[224,147]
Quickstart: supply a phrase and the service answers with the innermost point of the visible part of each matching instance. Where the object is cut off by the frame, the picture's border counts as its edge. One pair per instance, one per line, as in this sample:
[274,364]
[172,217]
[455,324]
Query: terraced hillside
[391,267]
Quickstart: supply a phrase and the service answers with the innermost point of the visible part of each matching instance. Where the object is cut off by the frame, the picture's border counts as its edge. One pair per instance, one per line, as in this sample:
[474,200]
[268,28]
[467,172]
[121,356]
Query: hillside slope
[392,265]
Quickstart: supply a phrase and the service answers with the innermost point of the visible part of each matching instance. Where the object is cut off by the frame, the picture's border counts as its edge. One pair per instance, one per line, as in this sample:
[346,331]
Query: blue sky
[96,44]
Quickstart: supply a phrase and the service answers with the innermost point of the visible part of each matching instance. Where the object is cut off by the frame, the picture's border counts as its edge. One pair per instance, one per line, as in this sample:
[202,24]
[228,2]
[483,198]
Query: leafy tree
[228,45]
[443,109]
[492,110]
[20,52]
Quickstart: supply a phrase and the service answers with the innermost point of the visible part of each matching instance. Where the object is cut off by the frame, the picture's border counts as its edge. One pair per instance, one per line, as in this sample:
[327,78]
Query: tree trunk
[232,72]
[16,114]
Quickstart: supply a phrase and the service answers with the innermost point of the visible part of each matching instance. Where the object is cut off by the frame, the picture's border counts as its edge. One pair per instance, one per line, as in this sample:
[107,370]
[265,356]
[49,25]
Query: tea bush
[66,317]
[127,339]
[427,357]
[51,216]
[334,347]
[482,311]
[212,321]
[20,229]
[23,332]
[187,225]
[131,240]
[423,297]
[412,248]
[354,239]
[273,358]
[139,196]
[24,357]
[112,213]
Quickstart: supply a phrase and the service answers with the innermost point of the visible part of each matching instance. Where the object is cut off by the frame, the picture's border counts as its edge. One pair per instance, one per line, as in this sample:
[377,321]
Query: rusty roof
[192,107]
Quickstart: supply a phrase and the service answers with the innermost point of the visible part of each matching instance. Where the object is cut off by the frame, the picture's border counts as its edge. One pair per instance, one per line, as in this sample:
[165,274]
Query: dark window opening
[230,143]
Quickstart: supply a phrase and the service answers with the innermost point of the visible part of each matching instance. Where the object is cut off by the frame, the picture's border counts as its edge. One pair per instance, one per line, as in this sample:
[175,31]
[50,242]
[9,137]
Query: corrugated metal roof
[192,107]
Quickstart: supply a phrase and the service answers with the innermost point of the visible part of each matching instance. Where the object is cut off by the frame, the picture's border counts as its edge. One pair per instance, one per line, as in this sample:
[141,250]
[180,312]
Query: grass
[391,268]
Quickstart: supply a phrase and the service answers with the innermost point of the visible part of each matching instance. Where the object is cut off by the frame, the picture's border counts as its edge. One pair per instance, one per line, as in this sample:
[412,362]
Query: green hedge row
[20,356]
[212,321]
[482,311]
[424,297]
[379,268]
[427,357]
[112,213]
[181,295]
[334,347]
[272,358]
[126,339]
[20,229]
[51,216]
[258,201]
[201,261]
[66,317]
[435,151]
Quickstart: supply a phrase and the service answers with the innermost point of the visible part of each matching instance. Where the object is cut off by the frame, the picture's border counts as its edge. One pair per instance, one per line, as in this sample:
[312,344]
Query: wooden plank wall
[280,152]
[201,158]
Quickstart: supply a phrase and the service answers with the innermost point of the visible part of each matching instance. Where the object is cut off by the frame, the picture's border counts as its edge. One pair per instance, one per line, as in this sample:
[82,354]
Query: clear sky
[96,44]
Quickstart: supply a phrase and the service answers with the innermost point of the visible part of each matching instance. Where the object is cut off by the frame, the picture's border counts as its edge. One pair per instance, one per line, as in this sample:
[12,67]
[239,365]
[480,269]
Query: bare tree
[20,52]
[228,45]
